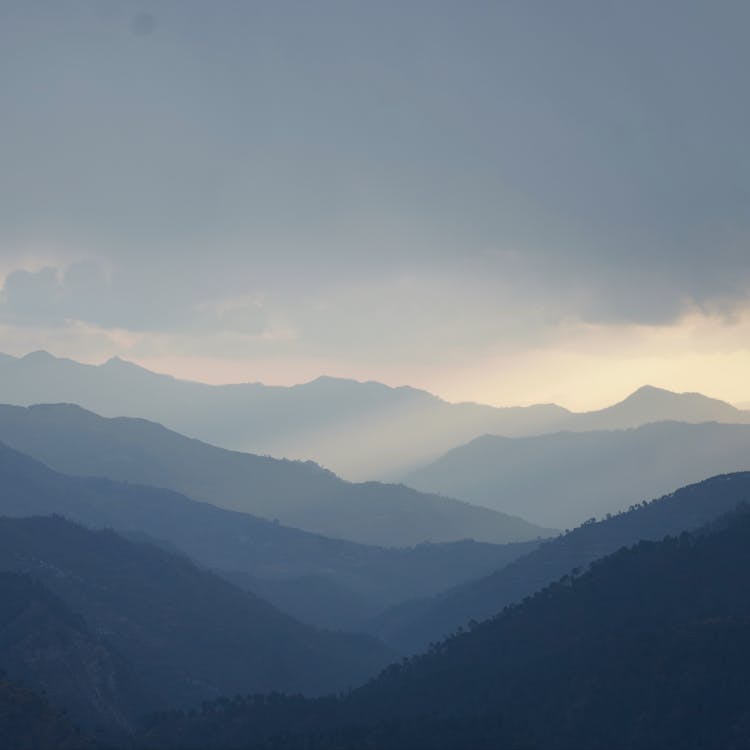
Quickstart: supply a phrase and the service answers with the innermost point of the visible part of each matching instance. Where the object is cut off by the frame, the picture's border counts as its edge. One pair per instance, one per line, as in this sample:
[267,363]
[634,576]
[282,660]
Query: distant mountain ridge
[412,625]
[74,441]
[267,558]
[564,478]
[360,430]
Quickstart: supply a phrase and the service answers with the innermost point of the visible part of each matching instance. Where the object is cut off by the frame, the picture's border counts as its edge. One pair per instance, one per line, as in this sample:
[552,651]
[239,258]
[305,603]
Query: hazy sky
[497,201]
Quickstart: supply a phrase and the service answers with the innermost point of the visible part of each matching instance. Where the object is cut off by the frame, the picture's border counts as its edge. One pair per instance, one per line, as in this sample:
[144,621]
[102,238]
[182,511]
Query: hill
[360,430]
[185,634]
[412,625]
[566,478]
[28,721]
[299,494]
[45,645]
[281,563]
[650,404]
[648,649]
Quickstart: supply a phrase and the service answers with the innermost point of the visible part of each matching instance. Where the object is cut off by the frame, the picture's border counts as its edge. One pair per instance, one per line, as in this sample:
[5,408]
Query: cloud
[346,142]
[347,184]
[33,297]
[83,292]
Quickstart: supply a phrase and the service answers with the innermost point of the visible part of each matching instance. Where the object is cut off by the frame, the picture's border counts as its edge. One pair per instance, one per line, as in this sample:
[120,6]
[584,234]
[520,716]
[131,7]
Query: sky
[506,202]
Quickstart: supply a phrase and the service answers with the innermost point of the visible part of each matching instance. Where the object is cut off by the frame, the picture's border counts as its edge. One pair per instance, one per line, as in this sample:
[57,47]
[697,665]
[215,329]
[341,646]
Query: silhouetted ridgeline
[360,430]
[412,625]
[260,555]
[565,478]
[623,655]
[298,494]
[648,649]
[186,634]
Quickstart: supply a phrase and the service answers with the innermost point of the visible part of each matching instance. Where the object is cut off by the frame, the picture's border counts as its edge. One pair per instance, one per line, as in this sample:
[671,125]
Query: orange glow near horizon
[586,367]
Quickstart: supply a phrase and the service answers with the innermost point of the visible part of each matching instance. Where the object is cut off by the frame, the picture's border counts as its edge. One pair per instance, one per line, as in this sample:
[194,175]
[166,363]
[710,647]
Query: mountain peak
[653,394]
[118,362]
[38,356]
[650,393]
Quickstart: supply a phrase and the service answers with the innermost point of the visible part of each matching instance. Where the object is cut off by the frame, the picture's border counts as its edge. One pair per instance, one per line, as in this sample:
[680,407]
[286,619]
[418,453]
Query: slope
[45,645]
[360,430]
[28,721]
[648,649]
[186,634]
[565,478]
[411,626]
[298,494]
[249,548]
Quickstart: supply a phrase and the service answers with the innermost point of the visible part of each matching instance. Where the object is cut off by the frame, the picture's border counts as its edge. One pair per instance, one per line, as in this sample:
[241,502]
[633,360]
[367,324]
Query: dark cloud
[268,166]
[83,292]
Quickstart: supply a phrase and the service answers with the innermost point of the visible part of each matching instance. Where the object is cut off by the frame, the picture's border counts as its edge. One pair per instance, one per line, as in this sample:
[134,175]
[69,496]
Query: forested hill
[28,721]
[186,634]
[410,627]
[649,648]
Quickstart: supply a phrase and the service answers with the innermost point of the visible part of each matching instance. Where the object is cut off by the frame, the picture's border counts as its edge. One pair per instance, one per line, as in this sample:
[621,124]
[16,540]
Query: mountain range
[360,430]
[122,627]
[411,626]
[113,625]
[296,493]
[290,567]
[648,648]
[565,478]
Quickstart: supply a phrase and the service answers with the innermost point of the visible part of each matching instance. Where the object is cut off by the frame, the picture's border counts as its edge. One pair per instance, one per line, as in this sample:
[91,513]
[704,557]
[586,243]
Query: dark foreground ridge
[648,649]
[411,626]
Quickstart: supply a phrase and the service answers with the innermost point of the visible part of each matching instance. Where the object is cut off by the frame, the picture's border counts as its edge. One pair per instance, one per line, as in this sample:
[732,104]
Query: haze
[507,202]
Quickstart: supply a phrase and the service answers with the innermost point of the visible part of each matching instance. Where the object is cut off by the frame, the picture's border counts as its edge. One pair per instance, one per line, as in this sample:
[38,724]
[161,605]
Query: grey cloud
[306,149]
[137,302]
[32,298]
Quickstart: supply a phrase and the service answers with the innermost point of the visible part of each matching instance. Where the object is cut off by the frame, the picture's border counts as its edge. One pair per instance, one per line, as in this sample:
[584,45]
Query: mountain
[185,633]
[50,648]
[411,626]
[265,557]
[650,404]
[298,494]
[565,478]
[650,648]
[28,721]
[360,430]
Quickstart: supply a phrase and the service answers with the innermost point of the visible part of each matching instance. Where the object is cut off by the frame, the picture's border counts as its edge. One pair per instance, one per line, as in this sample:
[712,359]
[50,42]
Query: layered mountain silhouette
[565,478]
[411,626]
[649,648]
[185,634]
[299,494]
[283,564]
[360,430]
